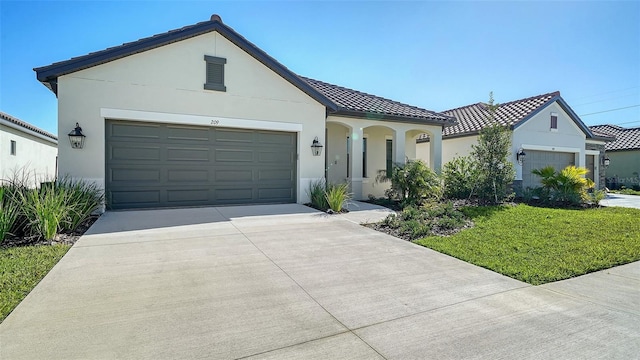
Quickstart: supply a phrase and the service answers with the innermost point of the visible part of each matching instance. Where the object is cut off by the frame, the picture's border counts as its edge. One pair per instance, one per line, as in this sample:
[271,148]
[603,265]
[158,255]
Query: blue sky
[436,55]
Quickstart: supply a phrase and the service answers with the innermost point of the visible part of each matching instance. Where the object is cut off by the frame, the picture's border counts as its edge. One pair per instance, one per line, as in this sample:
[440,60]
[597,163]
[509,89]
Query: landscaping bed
[541,245]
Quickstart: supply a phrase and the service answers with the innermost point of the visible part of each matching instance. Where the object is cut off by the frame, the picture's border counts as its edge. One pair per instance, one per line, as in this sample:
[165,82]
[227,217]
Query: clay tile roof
[353,101]
[625,138]
[472,118]
[27,126]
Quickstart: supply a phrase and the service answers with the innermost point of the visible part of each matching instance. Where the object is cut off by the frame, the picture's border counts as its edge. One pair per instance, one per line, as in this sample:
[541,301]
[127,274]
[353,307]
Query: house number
[215,122]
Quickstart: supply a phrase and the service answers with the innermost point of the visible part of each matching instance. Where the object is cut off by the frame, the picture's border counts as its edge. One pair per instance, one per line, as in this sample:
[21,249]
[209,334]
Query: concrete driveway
[621,200]
[284,281]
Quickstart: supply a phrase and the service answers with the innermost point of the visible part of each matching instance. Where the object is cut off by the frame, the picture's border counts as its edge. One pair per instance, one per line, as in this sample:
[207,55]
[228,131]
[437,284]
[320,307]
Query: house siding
[34,156]
[169,80]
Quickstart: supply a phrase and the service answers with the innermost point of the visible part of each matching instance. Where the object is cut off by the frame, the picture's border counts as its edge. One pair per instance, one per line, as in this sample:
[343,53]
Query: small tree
[495,171]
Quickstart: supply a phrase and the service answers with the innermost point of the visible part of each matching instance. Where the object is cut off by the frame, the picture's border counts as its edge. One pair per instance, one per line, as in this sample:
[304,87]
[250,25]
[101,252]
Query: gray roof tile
[625,138]
[26,125]
[349,100]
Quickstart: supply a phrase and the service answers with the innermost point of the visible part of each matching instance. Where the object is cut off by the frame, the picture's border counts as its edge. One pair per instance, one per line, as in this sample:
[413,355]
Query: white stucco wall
[34,155]
[167,83]
[456,147]
[536,134]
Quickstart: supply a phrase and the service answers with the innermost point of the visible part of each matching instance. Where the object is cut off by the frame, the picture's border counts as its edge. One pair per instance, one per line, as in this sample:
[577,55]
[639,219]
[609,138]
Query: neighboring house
[201,116]
[544,127]
[623,154]
[26,150]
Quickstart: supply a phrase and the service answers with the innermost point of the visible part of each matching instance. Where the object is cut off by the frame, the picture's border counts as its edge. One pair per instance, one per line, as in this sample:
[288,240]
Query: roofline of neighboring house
[401,119]
[49,74]
[17,124]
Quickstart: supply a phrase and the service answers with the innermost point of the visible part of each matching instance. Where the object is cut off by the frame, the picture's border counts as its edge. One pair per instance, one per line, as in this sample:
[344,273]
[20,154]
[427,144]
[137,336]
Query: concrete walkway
[621,200]
[287,282]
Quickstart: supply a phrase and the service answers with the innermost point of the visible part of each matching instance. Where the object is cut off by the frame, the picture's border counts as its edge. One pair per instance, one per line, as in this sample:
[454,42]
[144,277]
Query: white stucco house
[26,150]
[544,128]
[201,116]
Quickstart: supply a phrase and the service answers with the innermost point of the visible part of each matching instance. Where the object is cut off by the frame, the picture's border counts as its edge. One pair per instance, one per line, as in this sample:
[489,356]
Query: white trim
[185,119]
[550,148]
[592,152]
[24,130]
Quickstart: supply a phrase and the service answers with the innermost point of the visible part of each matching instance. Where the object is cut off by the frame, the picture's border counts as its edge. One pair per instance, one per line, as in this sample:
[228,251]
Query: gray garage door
[540,159]
[160,165]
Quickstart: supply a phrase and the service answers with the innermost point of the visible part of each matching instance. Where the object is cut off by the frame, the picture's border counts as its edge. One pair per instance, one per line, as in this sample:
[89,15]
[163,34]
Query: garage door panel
[233,155]
[540,159]
[233,175]
[275,157]
[134,131]
[234,136]
[188,195]
[188,154]
[234,194]
[275,174]
[134,152]
[187,175]
[190,134]
[137,198]
[134,175]
[188,165]
[274,194]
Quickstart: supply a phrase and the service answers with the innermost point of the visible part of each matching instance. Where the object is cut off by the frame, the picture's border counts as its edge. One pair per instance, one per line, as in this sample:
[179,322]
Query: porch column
[399,146]
[435,151]
[355,162]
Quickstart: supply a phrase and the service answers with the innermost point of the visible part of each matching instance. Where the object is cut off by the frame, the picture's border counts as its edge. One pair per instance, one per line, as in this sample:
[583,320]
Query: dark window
[389,157]
[554,121]
[348,157]
[13,147]
[215,73]
[364,157]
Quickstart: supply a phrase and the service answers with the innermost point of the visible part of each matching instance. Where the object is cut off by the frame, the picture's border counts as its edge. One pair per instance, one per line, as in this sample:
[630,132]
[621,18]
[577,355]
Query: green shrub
[415,222]
[337,196]
[566,187]
[83,198]
[9,211]
[317,194]
[45,209]
[596,196]
[459,176]
[491,156]
[412,183]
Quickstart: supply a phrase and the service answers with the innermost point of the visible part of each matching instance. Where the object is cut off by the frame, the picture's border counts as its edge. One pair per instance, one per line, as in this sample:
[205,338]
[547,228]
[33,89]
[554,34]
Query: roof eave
[388,117]
[49,74]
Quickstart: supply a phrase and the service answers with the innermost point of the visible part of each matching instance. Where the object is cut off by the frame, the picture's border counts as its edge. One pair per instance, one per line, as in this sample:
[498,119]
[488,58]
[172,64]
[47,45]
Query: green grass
[21,268]
[540,245]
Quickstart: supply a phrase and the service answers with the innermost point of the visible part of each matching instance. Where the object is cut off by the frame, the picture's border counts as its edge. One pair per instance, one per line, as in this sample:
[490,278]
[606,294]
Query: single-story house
[26,150]
[623,154]
[544,128]
[201,116]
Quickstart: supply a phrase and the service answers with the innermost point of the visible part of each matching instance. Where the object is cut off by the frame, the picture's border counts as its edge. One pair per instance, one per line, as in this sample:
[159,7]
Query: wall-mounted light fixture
[520,156]
[76,137]
[606,161]
[316,147]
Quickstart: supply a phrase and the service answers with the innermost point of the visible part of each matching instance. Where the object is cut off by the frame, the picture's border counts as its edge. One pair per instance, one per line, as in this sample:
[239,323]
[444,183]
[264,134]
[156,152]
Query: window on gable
[554,121]
[215,73]
[13,147]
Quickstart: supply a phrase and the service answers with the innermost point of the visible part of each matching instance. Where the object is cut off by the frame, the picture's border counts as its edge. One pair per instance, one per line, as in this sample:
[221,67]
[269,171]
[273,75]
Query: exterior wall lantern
[316,147]
[520,156]
[606,161]
[76,138]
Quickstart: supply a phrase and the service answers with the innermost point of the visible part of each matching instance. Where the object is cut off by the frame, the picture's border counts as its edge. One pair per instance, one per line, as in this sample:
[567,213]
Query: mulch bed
[69,238]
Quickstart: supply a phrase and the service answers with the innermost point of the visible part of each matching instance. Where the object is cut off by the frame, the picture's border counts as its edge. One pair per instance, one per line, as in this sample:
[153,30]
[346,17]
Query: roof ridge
[553,94]
[26,125]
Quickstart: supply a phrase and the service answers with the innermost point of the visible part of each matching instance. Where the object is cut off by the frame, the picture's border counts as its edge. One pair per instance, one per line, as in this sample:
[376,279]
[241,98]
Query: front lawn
[540,245]
[626,192]
[21,268]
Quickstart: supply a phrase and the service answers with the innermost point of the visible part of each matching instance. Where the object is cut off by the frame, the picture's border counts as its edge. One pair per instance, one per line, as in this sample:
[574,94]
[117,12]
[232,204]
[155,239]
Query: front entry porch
[358,150]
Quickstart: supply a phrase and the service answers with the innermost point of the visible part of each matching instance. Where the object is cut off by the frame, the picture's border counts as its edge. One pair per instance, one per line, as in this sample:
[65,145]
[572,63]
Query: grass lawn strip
[21,269]
[540,245]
